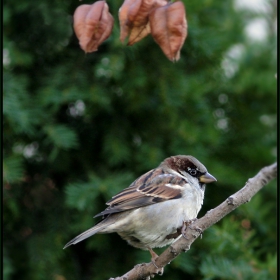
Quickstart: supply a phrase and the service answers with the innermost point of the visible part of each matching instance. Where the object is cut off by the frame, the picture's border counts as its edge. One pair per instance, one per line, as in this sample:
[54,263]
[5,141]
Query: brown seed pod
[160,3]
[93,24]
[128,6]
[140,16]
[137,33]
[134,18]
[79,19]
[169,28]
[140,21]
[106,25]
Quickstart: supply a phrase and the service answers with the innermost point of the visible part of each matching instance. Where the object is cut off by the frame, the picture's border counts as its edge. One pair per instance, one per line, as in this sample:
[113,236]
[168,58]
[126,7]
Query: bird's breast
[156,225]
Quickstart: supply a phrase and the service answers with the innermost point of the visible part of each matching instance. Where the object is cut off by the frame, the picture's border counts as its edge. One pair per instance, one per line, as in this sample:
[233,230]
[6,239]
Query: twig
[253,185]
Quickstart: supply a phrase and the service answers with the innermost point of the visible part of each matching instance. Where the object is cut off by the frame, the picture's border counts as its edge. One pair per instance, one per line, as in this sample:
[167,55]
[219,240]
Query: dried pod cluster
[164,20]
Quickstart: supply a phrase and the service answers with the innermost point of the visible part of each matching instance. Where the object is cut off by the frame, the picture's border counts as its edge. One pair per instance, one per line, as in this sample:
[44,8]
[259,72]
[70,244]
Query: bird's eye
[193,172]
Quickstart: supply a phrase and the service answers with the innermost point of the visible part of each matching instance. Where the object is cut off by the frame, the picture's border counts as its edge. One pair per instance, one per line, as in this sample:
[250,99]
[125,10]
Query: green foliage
[12,169]
[79,127]
[7,266]
[223,268]
[62,136]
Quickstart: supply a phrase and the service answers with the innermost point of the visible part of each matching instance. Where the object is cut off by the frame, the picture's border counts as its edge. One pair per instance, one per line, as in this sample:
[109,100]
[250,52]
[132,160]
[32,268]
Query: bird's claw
[159,270]
[199,230]
[187,224]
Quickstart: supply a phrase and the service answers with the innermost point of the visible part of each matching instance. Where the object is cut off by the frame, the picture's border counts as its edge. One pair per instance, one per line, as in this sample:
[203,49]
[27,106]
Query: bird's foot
[159,270]
[187,224]
[199,230]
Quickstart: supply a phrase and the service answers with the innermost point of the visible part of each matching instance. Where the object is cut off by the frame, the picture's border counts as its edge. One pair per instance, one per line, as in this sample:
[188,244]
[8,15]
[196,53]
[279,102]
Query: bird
[152,211]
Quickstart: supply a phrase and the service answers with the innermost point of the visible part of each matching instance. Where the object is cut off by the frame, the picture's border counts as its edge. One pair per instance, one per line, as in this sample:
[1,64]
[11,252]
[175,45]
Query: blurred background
[80,127]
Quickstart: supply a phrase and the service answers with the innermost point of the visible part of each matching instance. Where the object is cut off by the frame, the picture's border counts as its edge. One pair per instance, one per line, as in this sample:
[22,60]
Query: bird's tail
[85,234]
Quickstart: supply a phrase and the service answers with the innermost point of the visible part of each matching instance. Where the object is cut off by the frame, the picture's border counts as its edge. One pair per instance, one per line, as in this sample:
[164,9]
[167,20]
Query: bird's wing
[153,187]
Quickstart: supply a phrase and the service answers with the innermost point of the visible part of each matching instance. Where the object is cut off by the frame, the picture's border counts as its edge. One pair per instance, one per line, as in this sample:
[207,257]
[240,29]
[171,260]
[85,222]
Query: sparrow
[151,212]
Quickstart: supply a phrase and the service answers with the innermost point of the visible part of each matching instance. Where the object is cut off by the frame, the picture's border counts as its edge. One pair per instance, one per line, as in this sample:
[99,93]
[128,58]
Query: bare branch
[244,195]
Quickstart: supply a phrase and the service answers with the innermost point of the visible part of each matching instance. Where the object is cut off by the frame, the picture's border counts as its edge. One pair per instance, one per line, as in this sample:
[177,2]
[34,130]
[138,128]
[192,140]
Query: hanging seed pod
[79,19]
[106,25]
[128,6]
[134,18]
[169,28]
[160,3]
[140,21]
[93,24]
[137,33]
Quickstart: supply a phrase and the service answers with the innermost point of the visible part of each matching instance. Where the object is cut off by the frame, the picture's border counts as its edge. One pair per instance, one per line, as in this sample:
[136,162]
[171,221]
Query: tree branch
[244,195]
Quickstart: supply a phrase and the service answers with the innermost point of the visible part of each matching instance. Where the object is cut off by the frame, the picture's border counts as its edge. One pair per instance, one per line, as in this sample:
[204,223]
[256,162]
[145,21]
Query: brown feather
[152,187]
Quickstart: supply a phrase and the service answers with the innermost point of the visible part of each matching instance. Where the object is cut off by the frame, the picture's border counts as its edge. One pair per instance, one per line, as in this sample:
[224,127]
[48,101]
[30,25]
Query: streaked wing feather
[153,187]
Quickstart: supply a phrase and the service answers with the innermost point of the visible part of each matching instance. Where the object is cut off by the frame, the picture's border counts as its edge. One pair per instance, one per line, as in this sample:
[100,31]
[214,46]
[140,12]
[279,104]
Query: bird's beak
[207,178]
